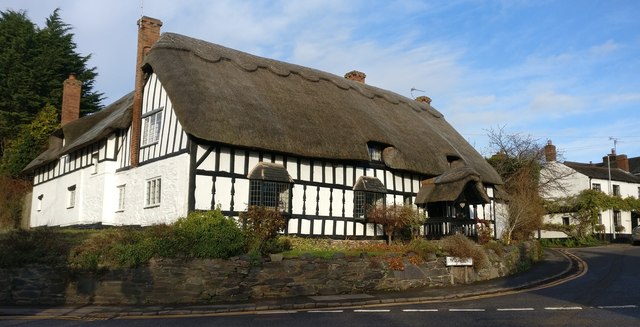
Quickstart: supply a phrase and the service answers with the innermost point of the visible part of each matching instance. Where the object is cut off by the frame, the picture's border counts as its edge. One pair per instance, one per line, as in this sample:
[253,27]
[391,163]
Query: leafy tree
[29,143]
[33,64]
[584,208]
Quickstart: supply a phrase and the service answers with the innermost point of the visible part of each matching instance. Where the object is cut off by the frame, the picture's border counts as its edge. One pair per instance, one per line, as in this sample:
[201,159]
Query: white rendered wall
[174,174]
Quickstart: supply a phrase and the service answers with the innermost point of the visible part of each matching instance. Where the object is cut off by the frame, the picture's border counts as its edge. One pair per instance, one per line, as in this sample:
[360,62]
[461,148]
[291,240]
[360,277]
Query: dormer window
[455,161]
[375,152]
[368,192]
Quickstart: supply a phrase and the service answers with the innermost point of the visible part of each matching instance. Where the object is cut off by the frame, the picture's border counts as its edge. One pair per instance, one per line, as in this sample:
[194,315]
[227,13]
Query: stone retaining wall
[173,281]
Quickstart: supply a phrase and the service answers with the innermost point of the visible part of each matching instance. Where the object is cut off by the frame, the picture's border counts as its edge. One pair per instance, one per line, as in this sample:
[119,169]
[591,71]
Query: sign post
[459,262]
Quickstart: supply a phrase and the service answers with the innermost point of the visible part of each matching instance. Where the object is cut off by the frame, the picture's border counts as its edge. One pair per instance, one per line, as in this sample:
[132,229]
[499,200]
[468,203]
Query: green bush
[43,245]
[209,234]
[424,248]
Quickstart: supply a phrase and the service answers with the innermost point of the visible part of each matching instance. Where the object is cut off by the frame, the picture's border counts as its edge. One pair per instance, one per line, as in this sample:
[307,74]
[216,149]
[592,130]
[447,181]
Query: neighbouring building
[208,126]
[611,176]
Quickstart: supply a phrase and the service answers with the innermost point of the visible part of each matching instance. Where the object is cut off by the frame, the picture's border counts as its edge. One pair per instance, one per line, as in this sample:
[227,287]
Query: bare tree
[527,177]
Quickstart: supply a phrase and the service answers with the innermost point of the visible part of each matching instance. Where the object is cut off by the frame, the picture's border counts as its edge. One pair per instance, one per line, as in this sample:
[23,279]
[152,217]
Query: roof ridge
[284,69]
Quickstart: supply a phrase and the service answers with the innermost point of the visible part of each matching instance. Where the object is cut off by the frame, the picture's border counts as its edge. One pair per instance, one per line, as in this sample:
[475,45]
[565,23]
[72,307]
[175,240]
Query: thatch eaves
[231,97]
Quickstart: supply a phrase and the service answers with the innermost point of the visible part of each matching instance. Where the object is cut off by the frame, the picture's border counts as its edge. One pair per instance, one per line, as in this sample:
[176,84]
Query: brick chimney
[71,89]
[355,75]
[617,160]
[148,34]
[550,152]
[423,98]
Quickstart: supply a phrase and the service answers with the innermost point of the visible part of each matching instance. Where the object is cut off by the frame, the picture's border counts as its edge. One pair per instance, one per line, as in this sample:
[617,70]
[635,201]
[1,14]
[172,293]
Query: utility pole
[613,152]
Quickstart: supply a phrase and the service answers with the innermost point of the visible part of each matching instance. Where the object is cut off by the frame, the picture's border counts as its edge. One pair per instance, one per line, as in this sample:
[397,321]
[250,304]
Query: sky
[566,71]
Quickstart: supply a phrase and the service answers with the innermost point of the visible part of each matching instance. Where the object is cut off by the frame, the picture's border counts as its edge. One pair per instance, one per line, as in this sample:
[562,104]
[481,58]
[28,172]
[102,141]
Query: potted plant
[619,228]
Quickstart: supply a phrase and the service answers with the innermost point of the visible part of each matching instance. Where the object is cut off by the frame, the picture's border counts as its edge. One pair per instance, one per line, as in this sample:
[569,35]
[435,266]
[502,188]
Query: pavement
[556,266]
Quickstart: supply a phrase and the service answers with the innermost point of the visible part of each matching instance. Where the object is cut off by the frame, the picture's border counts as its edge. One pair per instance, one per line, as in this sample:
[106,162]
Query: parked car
[635,236]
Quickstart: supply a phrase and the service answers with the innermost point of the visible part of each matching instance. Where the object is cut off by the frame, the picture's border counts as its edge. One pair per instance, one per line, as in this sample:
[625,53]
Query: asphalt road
[607,295]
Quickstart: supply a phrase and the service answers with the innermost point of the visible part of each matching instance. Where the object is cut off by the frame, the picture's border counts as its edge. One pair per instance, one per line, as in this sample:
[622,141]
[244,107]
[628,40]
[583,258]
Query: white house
[210,126]
[611,176]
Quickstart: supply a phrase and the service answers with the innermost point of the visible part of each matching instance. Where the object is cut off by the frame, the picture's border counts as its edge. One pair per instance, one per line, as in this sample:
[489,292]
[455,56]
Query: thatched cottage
[211,126]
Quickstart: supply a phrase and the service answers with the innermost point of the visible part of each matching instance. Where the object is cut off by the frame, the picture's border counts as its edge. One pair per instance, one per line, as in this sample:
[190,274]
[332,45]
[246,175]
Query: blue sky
[563,70]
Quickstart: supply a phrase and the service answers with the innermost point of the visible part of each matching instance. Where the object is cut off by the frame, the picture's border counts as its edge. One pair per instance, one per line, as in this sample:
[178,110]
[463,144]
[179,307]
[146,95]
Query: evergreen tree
[30,142]
[34,62]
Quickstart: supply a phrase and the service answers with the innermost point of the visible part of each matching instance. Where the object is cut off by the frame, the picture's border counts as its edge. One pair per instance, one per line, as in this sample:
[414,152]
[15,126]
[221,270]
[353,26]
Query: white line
[371,310]
[466,310]
[618,306]
[419,310]
[325,311]
[515,309]
[563,308]
[275,312]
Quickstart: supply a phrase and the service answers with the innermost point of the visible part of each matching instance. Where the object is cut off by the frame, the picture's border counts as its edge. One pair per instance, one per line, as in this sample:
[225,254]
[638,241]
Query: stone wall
[174,281]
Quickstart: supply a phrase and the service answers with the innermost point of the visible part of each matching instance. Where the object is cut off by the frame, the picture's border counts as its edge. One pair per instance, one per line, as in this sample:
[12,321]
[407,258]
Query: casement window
[121,197]
[368,193]
[151,127]
[71,196]
[638,192]
[39,204]
[596,187]
[617,218]
[616,190]
[153,192]
[270,186]
[375,152]
[566,221]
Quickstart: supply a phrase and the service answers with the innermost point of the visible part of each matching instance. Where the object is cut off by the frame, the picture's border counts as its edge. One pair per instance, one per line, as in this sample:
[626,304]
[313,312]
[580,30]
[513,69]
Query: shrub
[460,246]
[394,218]
[209,234]
[42,245]
[423,248]
[261,225]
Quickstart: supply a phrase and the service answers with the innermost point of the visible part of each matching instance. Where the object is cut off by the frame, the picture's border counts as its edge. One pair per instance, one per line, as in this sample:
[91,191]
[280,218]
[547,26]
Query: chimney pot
[355,75]
[550,153]
[423,98]
[71,93]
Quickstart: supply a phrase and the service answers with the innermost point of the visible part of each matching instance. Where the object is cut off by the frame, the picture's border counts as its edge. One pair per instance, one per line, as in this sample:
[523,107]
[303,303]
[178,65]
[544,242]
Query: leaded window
[153,192]
[151,127]
[368,192]
[270,186]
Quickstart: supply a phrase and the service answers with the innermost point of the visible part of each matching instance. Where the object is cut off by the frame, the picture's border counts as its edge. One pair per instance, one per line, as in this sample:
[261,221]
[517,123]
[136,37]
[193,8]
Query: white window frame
[71,196]
[153,192]
[152,127]
[122,189]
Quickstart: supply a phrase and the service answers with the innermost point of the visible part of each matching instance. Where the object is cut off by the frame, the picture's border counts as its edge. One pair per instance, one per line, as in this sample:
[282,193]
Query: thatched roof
[87,130]
[598,172]
[268,171]
[227,96]
[462,183]
[369,184]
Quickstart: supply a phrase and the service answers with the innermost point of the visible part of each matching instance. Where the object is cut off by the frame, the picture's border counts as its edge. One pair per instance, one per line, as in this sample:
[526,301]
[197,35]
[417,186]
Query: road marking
[630,306]
[466,310]
[326,311]
[419,310]
[275,312]
[371,310]
[515,309]
[563,308]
